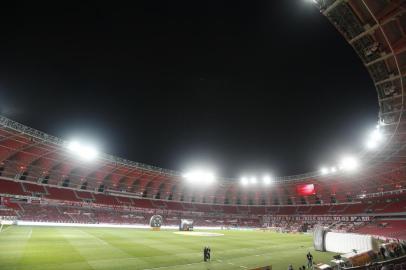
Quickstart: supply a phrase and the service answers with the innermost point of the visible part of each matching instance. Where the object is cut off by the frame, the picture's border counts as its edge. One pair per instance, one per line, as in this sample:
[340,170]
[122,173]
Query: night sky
[237,86]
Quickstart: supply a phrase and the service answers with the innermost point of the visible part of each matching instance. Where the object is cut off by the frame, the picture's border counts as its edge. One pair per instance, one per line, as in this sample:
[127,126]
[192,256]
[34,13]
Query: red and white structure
[40,173]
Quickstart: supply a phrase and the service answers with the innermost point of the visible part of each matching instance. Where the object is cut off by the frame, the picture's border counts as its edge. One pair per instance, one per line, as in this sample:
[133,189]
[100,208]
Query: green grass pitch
[62,248]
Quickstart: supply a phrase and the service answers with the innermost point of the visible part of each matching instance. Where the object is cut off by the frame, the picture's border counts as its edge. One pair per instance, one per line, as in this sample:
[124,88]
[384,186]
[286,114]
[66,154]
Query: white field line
[190,264]
[218,260]
[177,265]
[241,266]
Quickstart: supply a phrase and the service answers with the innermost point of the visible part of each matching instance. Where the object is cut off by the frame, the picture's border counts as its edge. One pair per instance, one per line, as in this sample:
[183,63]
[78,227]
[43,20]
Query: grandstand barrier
[395,263]
[106,225]
[358,259]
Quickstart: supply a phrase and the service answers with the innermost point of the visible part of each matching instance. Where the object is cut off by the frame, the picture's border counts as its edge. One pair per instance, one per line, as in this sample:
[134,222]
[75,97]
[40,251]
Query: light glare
[324,171]
[374,138]
[349,163]
[376,135]
[200,176]
[372,144]
[84,152]
[267,180]
[244,181]
[74,146]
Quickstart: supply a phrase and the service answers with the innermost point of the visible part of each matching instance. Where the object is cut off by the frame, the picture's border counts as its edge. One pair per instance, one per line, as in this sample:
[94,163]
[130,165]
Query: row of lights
[346,164]
[349,163]
[266,180]
[204,177]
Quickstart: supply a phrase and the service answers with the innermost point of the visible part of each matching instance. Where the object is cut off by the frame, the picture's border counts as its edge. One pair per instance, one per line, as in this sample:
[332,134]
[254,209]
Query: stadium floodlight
[85,152]
[244,181]
[371,144]
[349,163]
[74,146]
[200,177]
[376,135]
[333,169]
[374,138]
[253,180]
[324,171]
[267,180]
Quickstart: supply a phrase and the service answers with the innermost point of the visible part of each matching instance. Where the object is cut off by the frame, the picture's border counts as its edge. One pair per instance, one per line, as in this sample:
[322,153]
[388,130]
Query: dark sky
[239,86]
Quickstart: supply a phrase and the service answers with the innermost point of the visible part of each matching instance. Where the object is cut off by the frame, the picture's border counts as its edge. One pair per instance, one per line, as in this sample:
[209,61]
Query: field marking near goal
[208,234]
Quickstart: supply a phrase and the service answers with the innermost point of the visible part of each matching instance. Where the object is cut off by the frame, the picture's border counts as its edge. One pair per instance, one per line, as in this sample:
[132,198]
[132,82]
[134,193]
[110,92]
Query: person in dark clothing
[309,260]
[404,246]
[382,251]
[205,254]
[208,253]
[392,253]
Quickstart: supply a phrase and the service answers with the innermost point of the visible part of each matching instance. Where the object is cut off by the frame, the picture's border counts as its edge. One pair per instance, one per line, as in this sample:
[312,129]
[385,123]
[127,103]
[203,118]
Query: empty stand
[33,188]
[57,193]
[11,187]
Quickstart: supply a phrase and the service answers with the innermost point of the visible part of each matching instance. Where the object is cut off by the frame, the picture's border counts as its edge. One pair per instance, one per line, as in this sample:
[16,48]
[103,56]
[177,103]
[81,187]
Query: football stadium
[66,205]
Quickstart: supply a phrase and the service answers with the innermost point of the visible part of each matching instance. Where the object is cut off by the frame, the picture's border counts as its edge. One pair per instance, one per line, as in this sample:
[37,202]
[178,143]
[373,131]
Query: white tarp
[347,242]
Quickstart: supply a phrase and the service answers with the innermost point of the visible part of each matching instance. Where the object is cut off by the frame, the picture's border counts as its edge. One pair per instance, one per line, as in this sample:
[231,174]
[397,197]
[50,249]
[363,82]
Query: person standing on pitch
[208,253]
[309,260]
[205,254]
